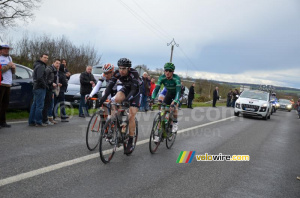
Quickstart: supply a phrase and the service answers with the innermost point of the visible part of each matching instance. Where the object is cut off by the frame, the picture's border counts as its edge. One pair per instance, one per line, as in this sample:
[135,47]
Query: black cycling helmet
[124,62]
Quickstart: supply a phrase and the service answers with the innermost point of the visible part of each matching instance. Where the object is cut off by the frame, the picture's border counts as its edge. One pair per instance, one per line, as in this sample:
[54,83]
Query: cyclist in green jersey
[172,82]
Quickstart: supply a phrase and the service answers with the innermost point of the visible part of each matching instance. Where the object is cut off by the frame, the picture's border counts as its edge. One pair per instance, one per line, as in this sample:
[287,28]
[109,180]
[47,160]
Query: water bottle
[167,117]
[124,122]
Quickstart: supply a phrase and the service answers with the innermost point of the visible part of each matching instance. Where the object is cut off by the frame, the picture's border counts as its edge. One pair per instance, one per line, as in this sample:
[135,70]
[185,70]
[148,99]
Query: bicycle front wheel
[156,134]
[108,141]
[93,131]
[170,137]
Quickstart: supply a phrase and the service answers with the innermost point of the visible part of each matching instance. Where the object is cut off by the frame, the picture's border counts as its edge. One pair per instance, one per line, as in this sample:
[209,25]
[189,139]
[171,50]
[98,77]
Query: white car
[254,103]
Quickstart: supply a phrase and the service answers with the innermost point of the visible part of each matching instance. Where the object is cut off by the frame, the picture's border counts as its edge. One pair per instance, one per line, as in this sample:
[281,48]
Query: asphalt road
[54,161]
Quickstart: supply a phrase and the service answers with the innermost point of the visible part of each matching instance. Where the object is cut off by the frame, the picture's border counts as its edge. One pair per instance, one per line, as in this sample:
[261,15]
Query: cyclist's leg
[168,100]
[133,109]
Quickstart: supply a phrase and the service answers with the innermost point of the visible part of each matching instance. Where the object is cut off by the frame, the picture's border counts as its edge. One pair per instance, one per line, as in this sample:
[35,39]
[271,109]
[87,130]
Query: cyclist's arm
[178,90]
[108,90]
[96,88]
[133,89]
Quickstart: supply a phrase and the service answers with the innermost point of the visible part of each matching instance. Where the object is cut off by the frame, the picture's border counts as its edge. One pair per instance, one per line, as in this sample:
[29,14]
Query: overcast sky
[250,41]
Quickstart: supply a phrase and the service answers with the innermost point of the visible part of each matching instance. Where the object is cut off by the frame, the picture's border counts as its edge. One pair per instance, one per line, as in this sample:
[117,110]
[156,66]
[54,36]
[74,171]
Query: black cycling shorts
[169,98]
[135,101]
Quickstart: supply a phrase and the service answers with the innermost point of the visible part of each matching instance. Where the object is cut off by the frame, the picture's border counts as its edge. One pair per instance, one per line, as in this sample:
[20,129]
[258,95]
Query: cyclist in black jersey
[129,94]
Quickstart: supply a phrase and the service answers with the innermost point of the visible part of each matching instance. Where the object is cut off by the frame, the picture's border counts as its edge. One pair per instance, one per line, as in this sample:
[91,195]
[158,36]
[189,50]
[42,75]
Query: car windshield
[74,79]
[255,95]
[97,70]
[284,101]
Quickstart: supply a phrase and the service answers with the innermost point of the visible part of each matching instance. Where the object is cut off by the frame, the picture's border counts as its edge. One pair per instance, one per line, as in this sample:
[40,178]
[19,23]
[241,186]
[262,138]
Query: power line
[159,32]
[142,20]
[151,18]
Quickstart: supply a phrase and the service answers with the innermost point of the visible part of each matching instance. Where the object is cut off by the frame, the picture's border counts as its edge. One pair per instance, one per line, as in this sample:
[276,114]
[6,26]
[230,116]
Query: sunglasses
[168,70]
[106,73]
[122,68]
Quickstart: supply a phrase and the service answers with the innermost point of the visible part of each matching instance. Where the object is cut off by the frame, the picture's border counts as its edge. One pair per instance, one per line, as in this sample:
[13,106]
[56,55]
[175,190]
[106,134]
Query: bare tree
[13,10]
[28,49]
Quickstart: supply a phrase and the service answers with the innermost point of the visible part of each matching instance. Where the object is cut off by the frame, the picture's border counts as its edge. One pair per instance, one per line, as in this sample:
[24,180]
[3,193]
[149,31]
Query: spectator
[229,97]
[51,85]
[145,92]
[191,96]
[234,97]
[87,82]
[152,86]
[60,99]
[8,68]
[67,73]
[216,96]
[182,93]
[39,92]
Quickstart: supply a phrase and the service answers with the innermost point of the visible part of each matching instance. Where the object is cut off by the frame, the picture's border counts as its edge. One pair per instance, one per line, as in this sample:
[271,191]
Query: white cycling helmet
[108,67]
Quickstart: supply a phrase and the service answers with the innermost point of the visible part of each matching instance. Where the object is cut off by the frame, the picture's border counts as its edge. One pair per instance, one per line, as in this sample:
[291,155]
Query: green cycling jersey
[173,86]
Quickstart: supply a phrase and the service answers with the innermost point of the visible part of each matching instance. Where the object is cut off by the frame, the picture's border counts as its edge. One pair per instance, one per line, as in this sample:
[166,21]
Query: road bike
[115,133]
[162,128]
[95,126]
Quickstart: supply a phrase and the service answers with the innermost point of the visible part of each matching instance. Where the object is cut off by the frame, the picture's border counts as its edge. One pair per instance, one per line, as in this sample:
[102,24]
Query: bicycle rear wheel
[135,137]
[170,137]
[93,131]
[156,134]
[108,141]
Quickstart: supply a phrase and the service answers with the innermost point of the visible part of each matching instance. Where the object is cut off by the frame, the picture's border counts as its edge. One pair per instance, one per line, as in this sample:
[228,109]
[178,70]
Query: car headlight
[277,105]
[289,106]
[265,105]
[78,94]
[237,101]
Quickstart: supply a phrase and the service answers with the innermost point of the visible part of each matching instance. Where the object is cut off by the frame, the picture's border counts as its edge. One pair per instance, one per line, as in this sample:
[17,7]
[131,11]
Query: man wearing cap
[7,70]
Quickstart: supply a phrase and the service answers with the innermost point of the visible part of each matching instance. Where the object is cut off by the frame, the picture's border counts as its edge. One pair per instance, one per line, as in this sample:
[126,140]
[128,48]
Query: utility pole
[172,43]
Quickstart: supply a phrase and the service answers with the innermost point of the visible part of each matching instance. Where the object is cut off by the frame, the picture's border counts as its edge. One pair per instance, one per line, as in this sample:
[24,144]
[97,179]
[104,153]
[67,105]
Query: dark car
[285,104]
[72,94]
[21,90]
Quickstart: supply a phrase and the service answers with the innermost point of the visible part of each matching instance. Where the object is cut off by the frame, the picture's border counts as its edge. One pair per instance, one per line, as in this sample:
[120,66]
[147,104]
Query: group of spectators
[49,86]
[146,91]
[232,96]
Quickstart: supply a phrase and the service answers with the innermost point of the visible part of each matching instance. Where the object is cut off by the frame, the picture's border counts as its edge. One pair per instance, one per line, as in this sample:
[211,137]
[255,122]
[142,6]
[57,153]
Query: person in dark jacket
[191,96]
[234,97]
[216,96]
[60,99]
[145,92]
[229,97]
[50,72]
[39,91]
[67,73]
[87,82]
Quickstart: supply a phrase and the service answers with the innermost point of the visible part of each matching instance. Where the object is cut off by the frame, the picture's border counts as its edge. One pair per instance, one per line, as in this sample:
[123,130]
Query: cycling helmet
[108,67]
[169,66]
[124,62]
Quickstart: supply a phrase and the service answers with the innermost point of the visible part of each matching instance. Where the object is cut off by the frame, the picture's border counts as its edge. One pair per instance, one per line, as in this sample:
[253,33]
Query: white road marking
[54,167]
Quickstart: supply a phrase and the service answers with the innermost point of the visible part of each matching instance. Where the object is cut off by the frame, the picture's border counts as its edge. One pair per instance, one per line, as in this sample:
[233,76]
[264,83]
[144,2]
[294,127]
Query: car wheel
[236,113]
[265,117]
[269,117]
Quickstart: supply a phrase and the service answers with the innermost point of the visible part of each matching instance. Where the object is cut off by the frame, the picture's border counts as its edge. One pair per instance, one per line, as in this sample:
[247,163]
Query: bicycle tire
[108,150]
[171,137]
[135,137]
[93,131]
[155,131]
